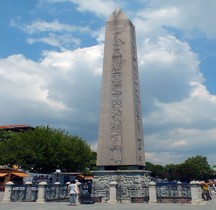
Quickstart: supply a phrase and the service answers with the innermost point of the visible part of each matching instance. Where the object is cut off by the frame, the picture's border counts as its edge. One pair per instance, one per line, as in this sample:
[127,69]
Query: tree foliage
[194,168]
[44,149]
[172,172]
[156,170]
[5,135]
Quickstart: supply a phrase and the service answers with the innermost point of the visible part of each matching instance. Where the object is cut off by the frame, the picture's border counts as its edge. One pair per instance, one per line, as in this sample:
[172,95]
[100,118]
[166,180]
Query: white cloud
[58,90]
[103,8]
[179,112]
[168,67]
[200,91]
[54,33]
[179,143]
[98,7]
[61,41]
[63,88]
[24,77]
[192,17]
[77,61]
[54,26]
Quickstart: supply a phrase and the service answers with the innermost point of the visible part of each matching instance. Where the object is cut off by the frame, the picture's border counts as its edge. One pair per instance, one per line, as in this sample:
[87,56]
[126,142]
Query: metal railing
[90,193]
[133,193]
[100,193]
[173,193]
[24,193]
[85,195]
[56,192]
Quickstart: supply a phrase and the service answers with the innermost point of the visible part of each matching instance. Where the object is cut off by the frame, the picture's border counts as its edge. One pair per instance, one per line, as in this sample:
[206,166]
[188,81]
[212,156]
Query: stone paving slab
[208,205]
[201,205]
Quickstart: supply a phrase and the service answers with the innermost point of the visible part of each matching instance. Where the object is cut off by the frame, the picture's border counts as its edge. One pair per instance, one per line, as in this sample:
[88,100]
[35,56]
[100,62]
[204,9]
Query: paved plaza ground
[208,205]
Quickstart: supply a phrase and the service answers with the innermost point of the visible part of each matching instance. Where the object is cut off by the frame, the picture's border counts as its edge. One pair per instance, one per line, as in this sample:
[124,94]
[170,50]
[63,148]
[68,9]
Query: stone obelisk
[120,174]
[120,142]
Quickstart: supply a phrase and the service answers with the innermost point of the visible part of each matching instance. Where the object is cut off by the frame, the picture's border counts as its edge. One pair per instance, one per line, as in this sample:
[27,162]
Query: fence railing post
[196,192]
[113,192]
[152,192]
[57,185]
[7,192]
[41,192]
[28,191]
[67,184]
[179,189]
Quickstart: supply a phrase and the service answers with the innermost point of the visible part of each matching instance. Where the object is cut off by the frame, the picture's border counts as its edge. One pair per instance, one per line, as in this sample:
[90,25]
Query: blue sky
[51,64]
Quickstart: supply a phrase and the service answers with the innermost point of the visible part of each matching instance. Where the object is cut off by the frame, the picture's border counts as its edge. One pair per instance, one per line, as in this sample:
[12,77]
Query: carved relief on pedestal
[128,186]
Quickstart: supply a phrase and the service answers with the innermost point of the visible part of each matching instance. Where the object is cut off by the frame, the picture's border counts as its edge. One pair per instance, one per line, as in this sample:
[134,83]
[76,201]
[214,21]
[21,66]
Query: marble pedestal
[121,185]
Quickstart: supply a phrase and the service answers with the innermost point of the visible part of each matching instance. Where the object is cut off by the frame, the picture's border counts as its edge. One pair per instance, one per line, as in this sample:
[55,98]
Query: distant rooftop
[16,128]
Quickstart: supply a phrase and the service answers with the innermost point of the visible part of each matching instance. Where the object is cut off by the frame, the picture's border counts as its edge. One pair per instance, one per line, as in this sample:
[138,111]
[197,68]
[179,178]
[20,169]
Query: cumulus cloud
[193,18]
[167,69]
[98,7]
[62,89]
[59,89]
[178,110]
[54,33]
[61,41]
[39,25]
[24,77]
[103,8]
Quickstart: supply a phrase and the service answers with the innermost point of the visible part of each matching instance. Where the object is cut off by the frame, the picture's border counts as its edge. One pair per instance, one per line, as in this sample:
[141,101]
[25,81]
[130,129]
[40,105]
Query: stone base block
[131,185]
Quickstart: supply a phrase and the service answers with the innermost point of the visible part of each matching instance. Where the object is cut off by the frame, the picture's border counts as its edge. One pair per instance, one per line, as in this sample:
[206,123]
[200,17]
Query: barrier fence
[133,193]
[24,193]
[173,193]
[160,192]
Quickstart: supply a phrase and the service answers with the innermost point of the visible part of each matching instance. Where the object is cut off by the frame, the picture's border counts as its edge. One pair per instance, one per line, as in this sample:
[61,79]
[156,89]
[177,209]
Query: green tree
[44,150]
[92,162]
[156,170]
[5,135]
[6,149]
[195,168]
[172,172]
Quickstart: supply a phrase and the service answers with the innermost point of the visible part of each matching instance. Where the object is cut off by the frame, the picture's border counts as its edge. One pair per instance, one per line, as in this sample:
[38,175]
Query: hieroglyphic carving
[116,100]
[119,26]
[138,114]
[118,29]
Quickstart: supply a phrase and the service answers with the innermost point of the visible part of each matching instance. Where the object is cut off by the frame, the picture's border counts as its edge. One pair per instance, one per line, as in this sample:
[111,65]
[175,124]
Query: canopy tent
[20,174]
[3,174]
[85,177]
[11,174]
[8,174]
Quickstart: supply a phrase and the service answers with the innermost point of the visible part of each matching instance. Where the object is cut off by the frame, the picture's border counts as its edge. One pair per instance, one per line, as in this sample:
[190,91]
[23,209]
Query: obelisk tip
[117,11]
[117,15]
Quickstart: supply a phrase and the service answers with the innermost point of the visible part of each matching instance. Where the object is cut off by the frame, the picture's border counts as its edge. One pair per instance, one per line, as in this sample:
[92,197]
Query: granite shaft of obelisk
[120,141]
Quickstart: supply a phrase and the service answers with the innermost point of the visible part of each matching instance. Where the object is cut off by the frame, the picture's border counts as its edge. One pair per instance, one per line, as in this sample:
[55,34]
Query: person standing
[73,191]
[206,190]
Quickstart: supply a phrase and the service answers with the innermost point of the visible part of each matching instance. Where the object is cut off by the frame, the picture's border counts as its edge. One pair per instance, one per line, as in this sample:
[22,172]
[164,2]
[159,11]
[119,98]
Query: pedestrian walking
[73,191]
